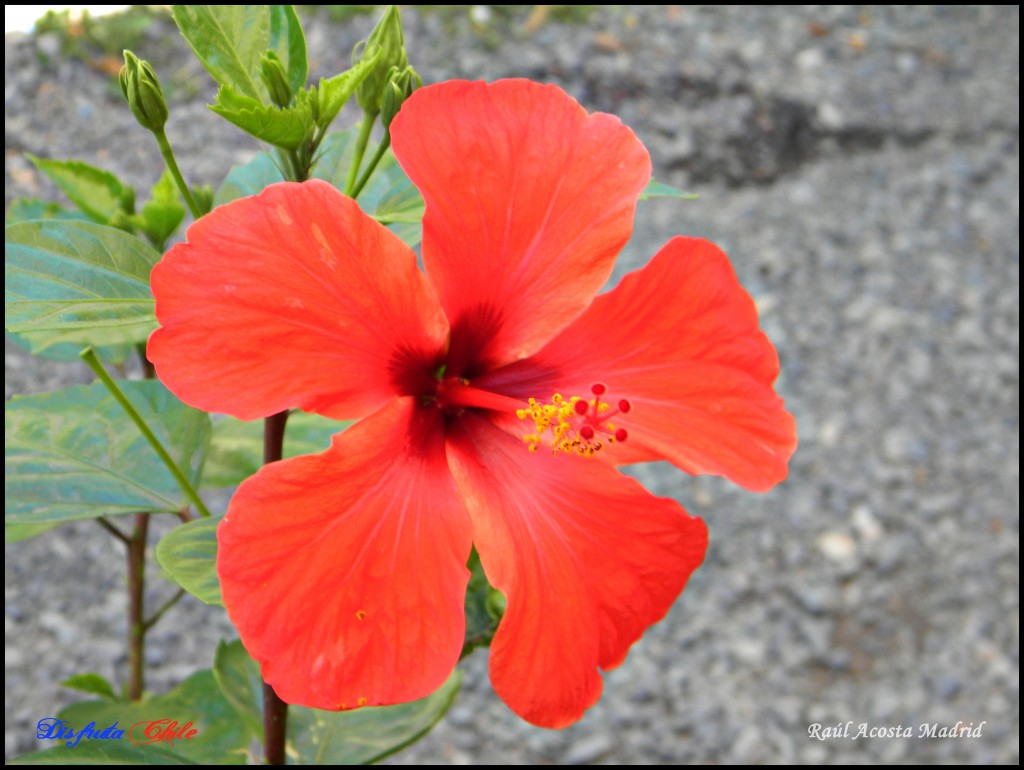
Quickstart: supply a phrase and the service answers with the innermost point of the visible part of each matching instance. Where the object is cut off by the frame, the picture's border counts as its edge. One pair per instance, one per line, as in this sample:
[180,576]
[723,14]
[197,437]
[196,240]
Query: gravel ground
[861,168]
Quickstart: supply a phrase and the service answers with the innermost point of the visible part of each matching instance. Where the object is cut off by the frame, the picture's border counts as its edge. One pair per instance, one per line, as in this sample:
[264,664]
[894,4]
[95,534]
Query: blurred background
[861,167]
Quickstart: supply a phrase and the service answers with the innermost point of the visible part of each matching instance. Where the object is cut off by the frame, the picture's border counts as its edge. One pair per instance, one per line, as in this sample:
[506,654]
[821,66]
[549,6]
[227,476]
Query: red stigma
[577,425]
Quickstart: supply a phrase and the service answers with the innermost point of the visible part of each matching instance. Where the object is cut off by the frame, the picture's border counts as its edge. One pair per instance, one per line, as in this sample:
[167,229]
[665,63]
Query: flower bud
[275,79]
[141,88]
[388,40]
[399,88]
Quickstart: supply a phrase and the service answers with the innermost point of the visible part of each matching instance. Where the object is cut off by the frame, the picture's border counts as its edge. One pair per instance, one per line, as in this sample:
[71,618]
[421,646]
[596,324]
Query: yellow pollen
[568,427]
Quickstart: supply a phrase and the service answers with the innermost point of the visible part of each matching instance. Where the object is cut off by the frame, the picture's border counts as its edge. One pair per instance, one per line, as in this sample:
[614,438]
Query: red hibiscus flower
[495,396]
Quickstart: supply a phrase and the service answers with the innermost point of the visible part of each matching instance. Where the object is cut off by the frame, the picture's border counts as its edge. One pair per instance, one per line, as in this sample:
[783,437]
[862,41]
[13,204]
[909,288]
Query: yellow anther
[578,425]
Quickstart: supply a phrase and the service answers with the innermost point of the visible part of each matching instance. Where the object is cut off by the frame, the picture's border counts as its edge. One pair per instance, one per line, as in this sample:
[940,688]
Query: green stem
[89,356]
[377,155]
[357,157]
[136,605]
[314,149]
[172,166]
[152,621]
[112,530]
[291,165]
[275,710]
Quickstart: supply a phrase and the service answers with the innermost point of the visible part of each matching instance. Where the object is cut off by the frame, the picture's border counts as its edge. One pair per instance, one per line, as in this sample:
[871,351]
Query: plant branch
[172,166]
[89,356]
[360,149]
[136,605]
[273,437]
[152,620]
[148,370]
[377,155]
[275,710]
[113,530]
[291,165]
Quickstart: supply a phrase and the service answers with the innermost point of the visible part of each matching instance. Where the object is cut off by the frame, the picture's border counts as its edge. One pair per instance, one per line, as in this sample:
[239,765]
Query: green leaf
[14,533]
[163,213]
[288,41]
[48,344]
[401,203]
[75,454]
[102,753]
[24,209]
[335,92]
[366,735]
[285,128]
[360,736]
[94,684]
[221,737]
[482,618]
[236,451]
[229,39]
[240,681]
[410,234]
[82,282]
[98,193]
[188,555]
[249,178]
[656,189]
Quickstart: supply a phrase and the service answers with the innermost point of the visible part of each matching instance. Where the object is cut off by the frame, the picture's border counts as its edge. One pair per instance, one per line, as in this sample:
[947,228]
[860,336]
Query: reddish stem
[136,605]
[275,710]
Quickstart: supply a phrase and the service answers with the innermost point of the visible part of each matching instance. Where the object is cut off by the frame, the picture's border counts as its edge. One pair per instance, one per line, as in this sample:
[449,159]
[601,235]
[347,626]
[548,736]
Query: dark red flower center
[573,424]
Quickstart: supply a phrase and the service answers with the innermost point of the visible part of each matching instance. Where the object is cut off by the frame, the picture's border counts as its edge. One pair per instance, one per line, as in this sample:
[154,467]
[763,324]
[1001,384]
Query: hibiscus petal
[292,298]
[528,200]
[585,556]
[679,339]
[345,572]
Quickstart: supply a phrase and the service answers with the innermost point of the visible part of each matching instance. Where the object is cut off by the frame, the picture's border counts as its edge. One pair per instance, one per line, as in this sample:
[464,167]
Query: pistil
[456,392]
[578,425]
